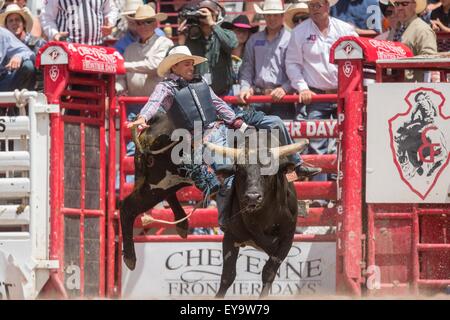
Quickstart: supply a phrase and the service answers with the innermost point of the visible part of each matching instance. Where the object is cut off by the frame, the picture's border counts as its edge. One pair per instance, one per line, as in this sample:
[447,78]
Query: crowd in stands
[275,49]
[234,67]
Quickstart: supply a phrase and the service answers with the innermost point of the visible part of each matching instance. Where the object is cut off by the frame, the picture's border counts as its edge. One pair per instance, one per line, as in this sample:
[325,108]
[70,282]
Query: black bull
[264,208]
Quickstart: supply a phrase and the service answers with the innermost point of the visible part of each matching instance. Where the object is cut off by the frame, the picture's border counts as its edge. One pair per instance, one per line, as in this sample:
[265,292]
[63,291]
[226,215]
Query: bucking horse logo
[419,146]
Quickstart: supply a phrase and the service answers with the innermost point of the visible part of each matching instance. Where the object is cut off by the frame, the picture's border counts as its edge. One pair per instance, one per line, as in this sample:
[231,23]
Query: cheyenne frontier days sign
[190,269]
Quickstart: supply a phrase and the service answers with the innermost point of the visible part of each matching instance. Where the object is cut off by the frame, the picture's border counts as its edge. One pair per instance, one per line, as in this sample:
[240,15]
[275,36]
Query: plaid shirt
[162,97]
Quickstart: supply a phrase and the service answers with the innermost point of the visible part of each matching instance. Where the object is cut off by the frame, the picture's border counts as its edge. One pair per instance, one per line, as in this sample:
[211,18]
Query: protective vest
[192,102]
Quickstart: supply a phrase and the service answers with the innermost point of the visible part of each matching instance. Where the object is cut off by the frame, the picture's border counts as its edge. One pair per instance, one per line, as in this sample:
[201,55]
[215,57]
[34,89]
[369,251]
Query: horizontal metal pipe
[305,191]
[433,247]
[207,218]
[219,238]
[252,99]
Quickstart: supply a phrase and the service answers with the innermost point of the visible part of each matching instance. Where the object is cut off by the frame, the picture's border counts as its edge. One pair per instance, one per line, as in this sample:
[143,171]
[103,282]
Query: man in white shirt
[308,64]
[82,21]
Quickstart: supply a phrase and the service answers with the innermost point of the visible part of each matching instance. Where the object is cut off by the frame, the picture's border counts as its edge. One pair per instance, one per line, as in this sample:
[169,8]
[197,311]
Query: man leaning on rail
[173,95]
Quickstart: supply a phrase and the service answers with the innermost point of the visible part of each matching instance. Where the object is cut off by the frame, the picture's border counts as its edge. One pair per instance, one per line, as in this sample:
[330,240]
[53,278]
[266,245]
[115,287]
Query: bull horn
[225,151]
[289,149]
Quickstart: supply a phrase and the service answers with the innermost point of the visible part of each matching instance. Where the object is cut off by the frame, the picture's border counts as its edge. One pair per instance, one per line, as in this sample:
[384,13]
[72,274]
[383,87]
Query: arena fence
[25,263]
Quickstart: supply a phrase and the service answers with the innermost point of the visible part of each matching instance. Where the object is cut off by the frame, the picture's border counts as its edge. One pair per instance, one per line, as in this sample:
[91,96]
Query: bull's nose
[253,197]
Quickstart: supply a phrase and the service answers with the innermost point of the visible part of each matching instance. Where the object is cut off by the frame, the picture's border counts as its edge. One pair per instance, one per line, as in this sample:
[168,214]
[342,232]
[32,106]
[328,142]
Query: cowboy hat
[23,12]
[175,55]
[293,9]
[131,7]
[421,5]
[270,7]
[240,22]
[146,12]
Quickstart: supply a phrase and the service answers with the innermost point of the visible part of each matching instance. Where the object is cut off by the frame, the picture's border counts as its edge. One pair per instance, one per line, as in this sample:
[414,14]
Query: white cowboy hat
[270,7]
[23,12]
[147,12]
[131,7]
[292,10]
[175,55]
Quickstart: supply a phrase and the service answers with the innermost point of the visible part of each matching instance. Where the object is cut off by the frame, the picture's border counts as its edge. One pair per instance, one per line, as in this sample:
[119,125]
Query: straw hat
[299,7]
[270,7]
[131,7]
[421,5]
[240,22]
[175,55]
[146,12]
[24,13]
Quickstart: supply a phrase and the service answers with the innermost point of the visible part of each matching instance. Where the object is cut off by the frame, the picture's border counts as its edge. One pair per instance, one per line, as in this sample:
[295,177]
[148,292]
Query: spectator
[214,42]
[309,69]
[365,15]
[388,10]
[36,31]
[440,17]
[263,71]
[296,14]
[20,22]
[130,35]
[80,21]
[411,30]
[242,28]
[143,57]
[127,34]
[141,61]
[16,63]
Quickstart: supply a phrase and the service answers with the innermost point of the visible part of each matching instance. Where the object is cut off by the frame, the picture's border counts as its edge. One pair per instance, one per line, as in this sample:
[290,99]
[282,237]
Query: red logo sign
[418,143]
[54,54]
[348,49]
[348,69]
[54,73]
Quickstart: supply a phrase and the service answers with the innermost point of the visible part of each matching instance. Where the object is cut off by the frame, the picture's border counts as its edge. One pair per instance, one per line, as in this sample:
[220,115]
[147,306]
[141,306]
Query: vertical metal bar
[111,263]
[102,218]
[371,235]
[122,144]
[82,204]
[352,168]
[415,267]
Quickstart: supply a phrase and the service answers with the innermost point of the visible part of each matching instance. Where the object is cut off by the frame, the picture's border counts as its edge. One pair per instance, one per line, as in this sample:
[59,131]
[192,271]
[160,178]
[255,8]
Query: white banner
[408,143]
[193,269]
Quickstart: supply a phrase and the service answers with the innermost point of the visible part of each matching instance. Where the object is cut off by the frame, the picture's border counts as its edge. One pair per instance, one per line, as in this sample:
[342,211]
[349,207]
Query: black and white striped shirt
[82,19]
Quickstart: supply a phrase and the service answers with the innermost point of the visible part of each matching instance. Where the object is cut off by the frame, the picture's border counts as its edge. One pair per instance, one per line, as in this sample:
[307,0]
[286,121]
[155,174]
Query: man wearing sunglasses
[410,29]
[143,56]
[308,65]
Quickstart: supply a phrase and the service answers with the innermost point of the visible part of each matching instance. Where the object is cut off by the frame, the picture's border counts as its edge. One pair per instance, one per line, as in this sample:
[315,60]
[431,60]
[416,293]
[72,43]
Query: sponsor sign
[188,270]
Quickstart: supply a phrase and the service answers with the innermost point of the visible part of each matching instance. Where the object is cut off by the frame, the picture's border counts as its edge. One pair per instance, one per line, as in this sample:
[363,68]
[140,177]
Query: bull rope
[148,219]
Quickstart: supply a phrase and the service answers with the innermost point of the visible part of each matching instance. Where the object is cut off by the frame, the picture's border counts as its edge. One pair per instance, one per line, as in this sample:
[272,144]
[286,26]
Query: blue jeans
[320,111]
[22,78]
[282,110]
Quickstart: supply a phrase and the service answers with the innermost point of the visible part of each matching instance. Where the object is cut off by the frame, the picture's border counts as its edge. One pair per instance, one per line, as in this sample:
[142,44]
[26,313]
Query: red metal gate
[80,79]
